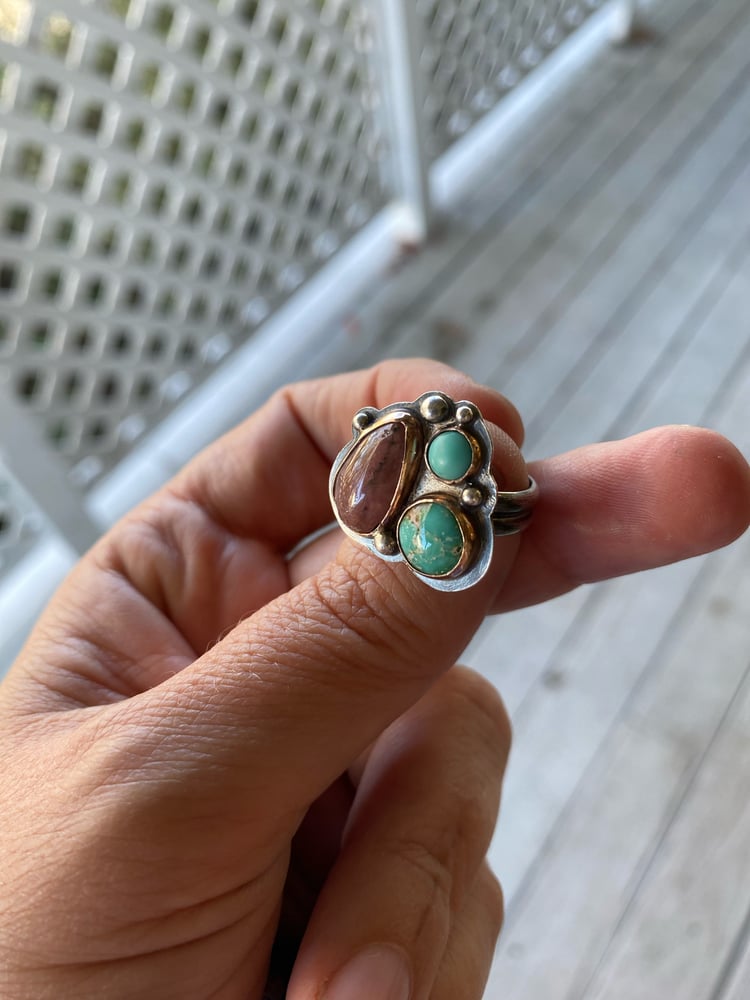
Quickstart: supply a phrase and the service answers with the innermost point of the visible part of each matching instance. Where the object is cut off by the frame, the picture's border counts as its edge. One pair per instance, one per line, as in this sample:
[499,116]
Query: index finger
[321,670]
[208,549]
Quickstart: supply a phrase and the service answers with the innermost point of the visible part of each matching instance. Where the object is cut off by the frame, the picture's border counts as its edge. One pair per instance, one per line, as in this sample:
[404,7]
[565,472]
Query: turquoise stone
[450,455]
[430,538]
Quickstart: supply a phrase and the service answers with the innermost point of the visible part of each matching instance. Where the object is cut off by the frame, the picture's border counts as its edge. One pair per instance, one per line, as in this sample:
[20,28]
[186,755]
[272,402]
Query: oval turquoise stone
[450,455]
[430,538]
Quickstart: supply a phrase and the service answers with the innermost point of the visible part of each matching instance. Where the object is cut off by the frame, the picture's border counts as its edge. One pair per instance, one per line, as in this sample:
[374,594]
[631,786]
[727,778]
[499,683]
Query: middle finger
[417,834]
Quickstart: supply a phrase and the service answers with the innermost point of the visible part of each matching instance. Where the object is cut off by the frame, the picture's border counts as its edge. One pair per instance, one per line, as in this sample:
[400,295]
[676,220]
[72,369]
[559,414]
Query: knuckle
[474,696]
[433,866]
[158,548]
[448,858]
[340,604]
[474,809]
[493,899]
[367,611]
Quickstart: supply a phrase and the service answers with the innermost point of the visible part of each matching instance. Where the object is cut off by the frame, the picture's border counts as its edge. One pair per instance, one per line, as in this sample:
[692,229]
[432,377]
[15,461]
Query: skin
[223,766]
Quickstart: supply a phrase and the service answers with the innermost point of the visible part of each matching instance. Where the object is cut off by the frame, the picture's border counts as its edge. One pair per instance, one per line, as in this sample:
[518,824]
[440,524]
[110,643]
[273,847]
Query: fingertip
[716,476]
[619,507]
[670,492]
[513,422]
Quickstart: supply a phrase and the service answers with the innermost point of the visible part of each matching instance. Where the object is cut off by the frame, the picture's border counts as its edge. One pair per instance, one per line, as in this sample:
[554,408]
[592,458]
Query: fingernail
[379,973]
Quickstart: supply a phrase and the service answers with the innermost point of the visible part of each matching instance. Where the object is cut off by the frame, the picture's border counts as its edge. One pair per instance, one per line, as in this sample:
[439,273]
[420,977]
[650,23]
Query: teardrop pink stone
[368,480]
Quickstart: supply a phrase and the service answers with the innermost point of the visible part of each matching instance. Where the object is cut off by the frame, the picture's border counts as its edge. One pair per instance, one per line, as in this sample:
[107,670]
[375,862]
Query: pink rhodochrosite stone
[368,481]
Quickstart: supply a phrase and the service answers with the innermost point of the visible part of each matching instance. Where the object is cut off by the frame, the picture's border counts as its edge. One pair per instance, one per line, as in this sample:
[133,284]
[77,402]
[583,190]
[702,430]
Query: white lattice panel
[477,50]
[170,172]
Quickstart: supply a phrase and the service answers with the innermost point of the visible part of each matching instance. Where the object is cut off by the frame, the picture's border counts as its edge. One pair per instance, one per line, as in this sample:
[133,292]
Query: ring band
[415,484]
[513,510]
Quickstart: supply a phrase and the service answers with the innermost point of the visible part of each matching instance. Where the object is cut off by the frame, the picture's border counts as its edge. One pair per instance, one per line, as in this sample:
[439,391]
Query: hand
[217,759]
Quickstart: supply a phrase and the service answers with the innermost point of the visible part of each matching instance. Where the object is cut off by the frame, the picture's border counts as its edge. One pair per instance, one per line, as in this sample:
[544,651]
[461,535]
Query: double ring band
[415,484]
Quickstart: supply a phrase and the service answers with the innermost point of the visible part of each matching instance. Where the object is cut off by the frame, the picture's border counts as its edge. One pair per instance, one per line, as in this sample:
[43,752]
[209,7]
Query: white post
[626,21]
[401,46]
[42,474]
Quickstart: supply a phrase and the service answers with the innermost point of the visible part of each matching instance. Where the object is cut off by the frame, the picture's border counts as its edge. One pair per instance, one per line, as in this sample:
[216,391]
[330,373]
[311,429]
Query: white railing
[192,195]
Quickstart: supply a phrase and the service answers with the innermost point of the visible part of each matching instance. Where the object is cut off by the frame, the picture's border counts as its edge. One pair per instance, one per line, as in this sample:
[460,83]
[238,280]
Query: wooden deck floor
[601,279]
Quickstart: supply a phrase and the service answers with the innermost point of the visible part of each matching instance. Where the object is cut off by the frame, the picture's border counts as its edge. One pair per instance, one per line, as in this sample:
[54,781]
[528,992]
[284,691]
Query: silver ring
[415,485]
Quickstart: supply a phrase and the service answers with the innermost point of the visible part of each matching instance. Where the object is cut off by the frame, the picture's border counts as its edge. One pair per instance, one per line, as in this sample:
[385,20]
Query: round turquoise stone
[450,455]
[430,538]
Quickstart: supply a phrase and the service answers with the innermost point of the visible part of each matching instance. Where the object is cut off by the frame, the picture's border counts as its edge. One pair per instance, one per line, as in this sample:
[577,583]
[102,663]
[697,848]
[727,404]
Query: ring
[415,484]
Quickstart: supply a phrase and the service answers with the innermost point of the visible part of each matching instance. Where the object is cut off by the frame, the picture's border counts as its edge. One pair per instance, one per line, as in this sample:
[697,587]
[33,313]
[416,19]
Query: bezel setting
[470,499]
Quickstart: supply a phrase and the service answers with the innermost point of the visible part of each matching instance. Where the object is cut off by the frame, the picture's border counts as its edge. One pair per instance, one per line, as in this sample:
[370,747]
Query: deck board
[570,330]
[616,782]
[559,160]
[667,349]
[680,929]
[554,248]
[601,277]
[554,940]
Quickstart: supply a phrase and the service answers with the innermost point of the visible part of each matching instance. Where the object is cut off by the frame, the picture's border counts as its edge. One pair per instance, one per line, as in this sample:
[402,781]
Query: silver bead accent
[435,408]
[465,414]
[385,543]
[363,419]
[472,496]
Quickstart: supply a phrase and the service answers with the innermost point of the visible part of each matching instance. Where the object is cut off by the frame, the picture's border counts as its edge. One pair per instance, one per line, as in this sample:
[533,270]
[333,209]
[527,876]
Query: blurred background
[201,201]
